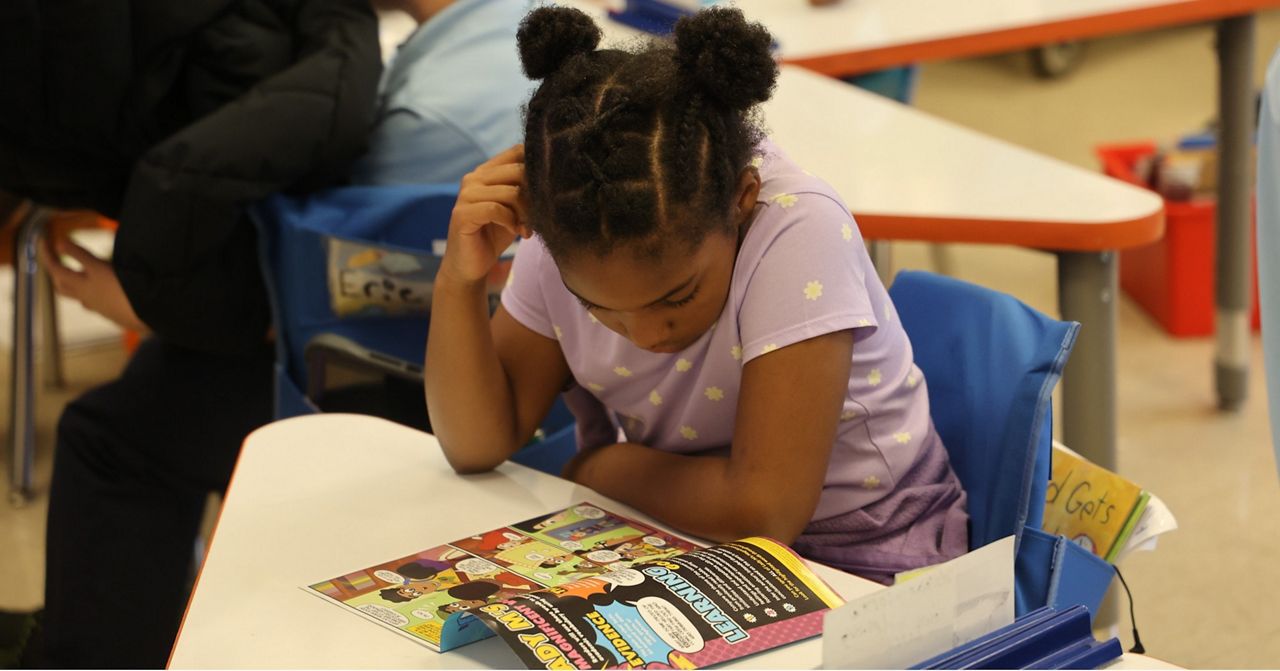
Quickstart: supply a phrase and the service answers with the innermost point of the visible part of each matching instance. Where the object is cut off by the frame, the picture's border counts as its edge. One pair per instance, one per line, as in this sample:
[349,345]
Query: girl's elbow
[469,461]
[773,518]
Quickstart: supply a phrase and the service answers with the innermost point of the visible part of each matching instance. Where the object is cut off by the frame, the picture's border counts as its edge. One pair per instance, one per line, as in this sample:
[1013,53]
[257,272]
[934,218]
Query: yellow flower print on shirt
[786,200]
[595,387]
[902,437]
[846,232]
[813,290]
[622,371]
[736,352]
[592,315]
[768,348]
[913,378]
[683,365]
[714,393]
[848,415]
[655,398]
[875,377]
[688,432]
[870,482]
[757,161]
[559,332]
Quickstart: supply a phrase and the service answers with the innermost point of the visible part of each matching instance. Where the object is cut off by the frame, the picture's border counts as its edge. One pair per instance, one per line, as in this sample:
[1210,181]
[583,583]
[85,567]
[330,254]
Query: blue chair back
[991,364]
[297,234]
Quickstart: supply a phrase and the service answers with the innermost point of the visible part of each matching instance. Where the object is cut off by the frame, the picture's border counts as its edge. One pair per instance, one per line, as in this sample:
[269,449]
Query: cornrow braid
[639,147]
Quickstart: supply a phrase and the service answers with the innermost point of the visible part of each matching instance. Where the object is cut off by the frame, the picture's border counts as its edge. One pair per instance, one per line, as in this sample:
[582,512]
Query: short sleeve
[523,296]
[810,279]
[408,147]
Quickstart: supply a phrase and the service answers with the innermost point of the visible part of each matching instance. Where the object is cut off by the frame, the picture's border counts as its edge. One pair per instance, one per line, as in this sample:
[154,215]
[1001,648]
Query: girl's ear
[747,193]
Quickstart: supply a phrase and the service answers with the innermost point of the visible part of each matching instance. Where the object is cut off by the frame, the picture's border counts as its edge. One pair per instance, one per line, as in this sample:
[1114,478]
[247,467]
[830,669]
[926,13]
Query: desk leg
[1234,263]
[1086,293]
[1087,284]
[22,391]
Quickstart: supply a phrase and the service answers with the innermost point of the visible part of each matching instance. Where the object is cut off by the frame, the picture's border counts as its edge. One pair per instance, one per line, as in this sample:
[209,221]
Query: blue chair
[300,238]
[991,364]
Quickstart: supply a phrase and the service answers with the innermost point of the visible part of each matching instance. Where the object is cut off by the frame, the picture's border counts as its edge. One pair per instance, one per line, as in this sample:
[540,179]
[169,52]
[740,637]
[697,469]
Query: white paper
[949,605]
[1156,519]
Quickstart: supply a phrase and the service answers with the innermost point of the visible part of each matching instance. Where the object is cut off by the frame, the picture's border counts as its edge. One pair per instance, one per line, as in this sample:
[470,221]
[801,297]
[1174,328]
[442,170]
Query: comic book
[586,588]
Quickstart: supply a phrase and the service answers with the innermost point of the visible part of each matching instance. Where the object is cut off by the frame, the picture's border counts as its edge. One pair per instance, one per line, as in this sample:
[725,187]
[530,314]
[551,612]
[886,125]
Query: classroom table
[319,496]
[856,36]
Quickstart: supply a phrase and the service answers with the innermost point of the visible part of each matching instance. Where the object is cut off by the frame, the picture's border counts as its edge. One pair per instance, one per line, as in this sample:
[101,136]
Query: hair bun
[550,36]
[726,57]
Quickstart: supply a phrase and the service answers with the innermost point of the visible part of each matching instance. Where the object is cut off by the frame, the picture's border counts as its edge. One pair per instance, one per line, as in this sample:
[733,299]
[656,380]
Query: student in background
[170,118]
[450,98]
[689,282]
[226,103]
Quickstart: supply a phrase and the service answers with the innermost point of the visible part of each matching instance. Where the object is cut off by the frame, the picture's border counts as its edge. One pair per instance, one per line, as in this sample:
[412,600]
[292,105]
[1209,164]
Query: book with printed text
[1092,506]
[585,588]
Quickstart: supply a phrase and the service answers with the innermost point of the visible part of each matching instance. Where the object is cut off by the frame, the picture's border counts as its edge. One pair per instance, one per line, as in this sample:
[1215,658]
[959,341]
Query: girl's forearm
[468,396]
[704,496]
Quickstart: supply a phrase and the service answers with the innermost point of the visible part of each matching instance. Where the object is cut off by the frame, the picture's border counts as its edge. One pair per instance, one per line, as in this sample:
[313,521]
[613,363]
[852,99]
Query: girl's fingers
[473,217]
[511,174]
[499,193]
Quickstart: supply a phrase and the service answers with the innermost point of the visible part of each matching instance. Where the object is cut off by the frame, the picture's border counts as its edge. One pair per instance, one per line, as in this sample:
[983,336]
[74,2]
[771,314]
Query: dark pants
[135,461]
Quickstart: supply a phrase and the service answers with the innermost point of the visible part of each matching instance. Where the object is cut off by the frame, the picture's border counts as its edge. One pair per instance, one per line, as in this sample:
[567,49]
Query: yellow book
[1090,505]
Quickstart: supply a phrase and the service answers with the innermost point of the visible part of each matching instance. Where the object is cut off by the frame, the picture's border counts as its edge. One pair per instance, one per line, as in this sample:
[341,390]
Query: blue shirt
[451,98]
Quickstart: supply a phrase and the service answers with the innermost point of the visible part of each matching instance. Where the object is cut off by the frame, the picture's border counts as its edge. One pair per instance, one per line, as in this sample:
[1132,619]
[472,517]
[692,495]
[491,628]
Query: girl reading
[734,364]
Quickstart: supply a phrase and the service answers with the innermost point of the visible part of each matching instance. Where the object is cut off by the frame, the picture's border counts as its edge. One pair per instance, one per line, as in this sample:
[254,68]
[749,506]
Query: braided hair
[639,147]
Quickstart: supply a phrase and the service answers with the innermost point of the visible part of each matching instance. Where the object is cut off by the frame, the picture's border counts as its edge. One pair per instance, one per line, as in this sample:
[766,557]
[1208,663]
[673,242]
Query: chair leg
[22,391]
[51,336]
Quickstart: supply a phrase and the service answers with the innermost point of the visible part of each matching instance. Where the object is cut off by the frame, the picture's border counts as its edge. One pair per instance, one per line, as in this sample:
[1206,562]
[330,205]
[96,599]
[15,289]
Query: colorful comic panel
[602,538]
[417,593]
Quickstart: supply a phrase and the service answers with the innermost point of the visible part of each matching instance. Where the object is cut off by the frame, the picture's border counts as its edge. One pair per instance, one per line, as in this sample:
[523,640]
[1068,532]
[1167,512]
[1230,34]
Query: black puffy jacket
[171,116]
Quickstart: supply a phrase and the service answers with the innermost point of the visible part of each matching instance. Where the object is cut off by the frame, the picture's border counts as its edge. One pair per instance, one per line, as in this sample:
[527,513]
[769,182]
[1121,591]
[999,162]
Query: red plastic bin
[1173,278]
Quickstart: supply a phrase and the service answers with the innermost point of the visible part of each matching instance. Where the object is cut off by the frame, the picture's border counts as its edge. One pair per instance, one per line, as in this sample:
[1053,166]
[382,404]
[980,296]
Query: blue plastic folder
[1045,638]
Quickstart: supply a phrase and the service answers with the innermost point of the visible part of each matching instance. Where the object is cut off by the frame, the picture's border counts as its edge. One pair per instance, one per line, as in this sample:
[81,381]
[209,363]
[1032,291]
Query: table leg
[1087,285]
[1086,293]
[1235,38]
[22,391]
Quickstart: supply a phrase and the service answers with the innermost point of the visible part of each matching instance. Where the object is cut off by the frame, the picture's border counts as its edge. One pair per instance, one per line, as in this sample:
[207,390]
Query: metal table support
[1235,42]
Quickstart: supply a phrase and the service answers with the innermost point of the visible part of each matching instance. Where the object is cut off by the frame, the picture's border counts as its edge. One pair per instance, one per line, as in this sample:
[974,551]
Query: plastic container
[1173,279]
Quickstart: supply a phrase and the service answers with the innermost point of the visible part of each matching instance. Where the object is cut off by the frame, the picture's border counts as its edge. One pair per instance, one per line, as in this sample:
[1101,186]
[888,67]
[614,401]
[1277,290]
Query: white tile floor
[1206,597]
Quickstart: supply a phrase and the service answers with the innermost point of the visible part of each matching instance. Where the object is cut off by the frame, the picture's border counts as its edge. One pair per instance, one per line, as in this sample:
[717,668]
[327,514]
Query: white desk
[319,496]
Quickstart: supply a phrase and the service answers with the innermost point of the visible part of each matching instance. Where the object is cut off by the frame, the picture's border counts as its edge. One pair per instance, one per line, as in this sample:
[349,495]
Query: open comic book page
[687,611]
[418,594]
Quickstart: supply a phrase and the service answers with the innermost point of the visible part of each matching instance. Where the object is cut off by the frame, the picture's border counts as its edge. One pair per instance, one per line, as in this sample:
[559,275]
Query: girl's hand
[490,212]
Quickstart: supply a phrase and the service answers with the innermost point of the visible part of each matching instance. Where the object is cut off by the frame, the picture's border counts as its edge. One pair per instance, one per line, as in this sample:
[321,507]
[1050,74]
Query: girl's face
[664,304]
[661,305]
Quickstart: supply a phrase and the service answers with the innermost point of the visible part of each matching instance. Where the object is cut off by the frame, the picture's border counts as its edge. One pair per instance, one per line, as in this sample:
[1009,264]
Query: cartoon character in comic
[492,542]
[551,520]
[477,593]
[423,576]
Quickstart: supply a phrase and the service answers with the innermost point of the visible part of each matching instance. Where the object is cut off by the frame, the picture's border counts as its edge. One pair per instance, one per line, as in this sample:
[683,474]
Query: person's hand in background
[95,285]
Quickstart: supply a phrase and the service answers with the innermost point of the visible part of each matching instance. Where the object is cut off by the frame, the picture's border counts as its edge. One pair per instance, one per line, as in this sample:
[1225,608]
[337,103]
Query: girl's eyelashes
[666,304]
[682,301]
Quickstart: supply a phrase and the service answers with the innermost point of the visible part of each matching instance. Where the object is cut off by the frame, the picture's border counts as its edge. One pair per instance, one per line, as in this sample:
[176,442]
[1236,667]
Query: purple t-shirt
[802,271]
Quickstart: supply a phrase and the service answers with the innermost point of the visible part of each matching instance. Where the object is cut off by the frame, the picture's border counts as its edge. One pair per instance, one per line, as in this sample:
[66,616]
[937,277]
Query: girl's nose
[646,331]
